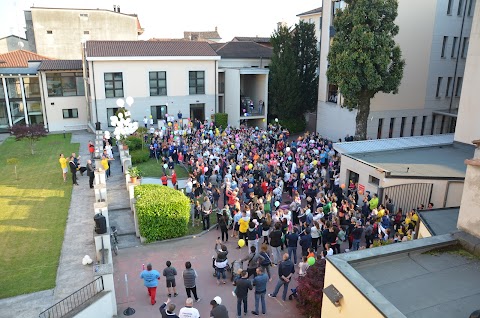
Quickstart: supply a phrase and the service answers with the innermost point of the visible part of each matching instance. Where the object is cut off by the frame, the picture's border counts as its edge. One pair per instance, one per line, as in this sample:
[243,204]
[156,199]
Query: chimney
[118,8]
[216,29]
[114,8]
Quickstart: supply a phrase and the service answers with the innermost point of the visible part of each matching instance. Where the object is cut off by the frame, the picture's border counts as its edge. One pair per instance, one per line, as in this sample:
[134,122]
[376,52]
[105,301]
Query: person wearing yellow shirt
[373,203]
[63,165]
[106,165]
[243,225]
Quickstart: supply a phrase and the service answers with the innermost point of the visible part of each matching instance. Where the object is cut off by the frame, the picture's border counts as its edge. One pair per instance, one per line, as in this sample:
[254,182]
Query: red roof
[19,58]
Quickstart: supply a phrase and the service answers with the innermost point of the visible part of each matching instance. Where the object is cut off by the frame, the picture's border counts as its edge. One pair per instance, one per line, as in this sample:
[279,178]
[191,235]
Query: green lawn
[33,214]
[154,169]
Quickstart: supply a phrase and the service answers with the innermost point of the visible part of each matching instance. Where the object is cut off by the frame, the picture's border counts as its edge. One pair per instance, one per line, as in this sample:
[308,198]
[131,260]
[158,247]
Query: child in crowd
[170,272]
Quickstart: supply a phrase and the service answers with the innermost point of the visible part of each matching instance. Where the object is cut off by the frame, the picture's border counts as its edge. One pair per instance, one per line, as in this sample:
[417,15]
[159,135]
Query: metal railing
[74,300]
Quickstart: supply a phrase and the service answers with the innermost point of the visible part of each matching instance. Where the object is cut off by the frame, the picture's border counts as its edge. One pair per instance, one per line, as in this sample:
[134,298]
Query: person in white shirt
[145,121]
[188,311]
[328,249]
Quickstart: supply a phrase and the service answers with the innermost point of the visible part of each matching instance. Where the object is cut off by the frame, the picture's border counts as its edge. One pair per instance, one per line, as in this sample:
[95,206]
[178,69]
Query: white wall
[101,308]
[232,96]
[136,84]
[335,122]
[468,128]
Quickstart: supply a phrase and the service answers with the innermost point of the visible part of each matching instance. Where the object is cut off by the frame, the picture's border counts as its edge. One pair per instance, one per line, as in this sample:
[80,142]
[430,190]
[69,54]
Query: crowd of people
[281,197]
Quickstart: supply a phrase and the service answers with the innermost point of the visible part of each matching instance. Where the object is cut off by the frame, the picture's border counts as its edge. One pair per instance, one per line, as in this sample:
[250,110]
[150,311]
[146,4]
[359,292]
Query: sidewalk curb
[176,239]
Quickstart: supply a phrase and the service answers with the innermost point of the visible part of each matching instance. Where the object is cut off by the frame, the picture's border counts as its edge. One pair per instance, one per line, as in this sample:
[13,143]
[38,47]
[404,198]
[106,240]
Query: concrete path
[78,241]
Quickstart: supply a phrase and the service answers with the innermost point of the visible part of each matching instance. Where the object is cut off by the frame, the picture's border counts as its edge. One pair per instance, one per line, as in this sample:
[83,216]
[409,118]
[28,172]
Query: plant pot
[133,179]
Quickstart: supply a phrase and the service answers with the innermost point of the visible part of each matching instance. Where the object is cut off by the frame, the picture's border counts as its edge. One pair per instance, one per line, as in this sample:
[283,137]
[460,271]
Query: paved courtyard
[199,251]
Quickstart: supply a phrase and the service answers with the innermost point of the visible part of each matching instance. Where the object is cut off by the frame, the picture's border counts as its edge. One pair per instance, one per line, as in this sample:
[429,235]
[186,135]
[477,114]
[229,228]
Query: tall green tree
[284,80]
[364,58]
[307,55]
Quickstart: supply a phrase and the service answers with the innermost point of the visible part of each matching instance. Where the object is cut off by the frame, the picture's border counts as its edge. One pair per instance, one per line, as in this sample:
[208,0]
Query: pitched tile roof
[148,48]
[244,50]
[60,65]
[201,35]
[19,58]
[256,39]
[316,10]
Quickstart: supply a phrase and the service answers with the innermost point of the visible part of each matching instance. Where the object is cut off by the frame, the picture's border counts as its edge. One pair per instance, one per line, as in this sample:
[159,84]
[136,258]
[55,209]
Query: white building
[315,17]
[59,32]
[434,39]
[163,77]
[242,79]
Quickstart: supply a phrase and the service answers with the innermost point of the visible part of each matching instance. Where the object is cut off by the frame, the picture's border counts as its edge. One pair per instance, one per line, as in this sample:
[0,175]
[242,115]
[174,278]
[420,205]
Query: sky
[168,19]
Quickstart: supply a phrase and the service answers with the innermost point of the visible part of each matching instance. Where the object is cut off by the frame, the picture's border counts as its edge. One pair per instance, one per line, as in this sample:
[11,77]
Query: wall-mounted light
[333,294]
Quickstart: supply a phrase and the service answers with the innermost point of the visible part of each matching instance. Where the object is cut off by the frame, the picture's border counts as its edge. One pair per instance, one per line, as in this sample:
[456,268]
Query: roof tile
[148,48]
[19,58]
[60,65]
[243,50]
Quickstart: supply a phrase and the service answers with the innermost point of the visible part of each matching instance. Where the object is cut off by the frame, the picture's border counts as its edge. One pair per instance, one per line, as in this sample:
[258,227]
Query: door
[197,111]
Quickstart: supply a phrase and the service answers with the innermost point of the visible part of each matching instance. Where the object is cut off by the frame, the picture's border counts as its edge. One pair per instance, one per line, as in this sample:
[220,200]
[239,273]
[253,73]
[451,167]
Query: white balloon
[120,115]
[120,102]
[129,100]
[84,262]
[127,114]
[288,149]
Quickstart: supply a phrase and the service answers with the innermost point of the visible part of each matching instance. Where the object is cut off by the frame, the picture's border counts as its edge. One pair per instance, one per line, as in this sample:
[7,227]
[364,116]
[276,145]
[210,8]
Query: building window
[65,84]
[402,126]
[460,7]
[196,82]
[458,89]
[111,112]
[442,124]
[449,82]
[310,20]
[86,32]
[424,123]
[13,88]
[392,124]
[113,85]
[449,7]
[444,45]
[373,180]
[32,87]
[49,32]
[412,130]
[454,46]
[470,8]
[320,24]
[84,15]
[465,47]
[158,83]
[158,112]
[70,113]
[380,128]
[439,85]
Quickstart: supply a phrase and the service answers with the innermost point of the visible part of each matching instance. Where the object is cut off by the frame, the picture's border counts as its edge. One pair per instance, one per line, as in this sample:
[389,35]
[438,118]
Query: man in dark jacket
[169,311]
[306,241]
[276,242]
[292,243]
[285,273]
[73,170]
[218,310]
[243,285]
[90,173]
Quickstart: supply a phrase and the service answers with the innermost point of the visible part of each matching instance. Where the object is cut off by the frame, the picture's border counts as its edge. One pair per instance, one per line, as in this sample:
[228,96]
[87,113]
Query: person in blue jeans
[260,283]
[292,243]
[285,273]
[243,285]
[357,235]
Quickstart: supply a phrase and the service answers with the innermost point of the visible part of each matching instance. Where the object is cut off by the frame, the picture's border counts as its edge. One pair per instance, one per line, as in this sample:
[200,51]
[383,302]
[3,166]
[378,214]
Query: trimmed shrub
[294,125]
[221,119]
[163,212]
[134,142]
[310,290]
[139,156]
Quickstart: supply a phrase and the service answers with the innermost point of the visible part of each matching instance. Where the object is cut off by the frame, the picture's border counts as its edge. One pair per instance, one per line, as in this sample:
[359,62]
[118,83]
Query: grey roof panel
[440,221]
[392,143]
[244,50]
[60,65]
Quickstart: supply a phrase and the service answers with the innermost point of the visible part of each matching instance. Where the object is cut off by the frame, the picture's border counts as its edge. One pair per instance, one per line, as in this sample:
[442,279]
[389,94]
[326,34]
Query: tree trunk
[363,112]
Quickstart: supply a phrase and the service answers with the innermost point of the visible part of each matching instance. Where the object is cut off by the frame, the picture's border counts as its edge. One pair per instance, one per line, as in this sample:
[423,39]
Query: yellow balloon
[315,162]
[169,124]
[238,167]
[250,166]
[233,146]
[241,242]
[264,120]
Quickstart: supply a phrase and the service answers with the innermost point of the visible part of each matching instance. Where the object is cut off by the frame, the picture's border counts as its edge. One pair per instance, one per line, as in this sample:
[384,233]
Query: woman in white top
[108,148]
[315,232]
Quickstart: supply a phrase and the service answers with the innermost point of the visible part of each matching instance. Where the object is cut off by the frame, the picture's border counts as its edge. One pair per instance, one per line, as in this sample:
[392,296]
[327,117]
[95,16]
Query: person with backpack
[266,263]
[254,259]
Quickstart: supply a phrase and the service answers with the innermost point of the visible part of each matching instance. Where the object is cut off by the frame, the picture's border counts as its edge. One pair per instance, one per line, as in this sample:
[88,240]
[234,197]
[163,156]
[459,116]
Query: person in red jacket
[173,178]
[164,179]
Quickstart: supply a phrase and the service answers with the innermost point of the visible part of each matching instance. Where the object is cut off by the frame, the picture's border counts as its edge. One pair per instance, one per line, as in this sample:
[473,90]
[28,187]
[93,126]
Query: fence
[74,300]
[408,196]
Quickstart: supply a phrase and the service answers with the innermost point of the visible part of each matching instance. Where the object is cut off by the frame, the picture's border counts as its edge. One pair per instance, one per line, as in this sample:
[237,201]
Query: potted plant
[134,173]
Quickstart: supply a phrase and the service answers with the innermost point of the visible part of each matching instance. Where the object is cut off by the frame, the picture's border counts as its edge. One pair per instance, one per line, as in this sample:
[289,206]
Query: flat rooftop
[446,161]
[443,285]
[440,221]
[430,277]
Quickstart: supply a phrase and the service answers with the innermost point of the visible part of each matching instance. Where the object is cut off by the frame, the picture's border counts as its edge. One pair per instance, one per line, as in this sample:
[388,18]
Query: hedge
[134,142]
[139,156]
[221,119]
[163,212]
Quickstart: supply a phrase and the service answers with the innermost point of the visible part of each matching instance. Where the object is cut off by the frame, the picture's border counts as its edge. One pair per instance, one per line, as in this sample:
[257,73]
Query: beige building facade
[59,33]
[434,38]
